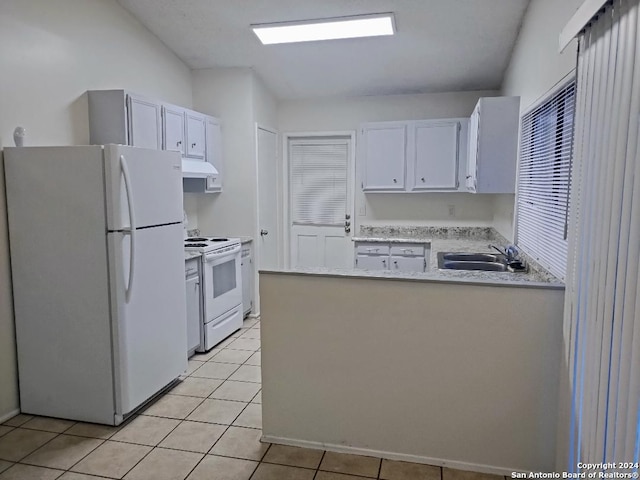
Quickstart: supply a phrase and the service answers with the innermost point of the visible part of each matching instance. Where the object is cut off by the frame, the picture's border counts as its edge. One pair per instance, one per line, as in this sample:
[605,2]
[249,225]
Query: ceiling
[440,45]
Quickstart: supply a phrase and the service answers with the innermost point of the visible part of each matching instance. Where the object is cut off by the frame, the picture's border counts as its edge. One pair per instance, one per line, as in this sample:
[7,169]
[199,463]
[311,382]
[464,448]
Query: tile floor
[207,427]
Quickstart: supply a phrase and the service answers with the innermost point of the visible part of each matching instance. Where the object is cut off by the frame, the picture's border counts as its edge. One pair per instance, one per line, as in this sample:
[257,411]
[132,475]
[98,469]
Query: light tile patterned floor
[208,427]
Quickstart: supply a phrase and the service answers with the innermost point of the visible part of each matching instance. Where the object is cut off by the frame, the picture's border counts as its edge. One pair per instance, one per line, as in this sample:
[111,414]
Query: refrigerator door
[142,182]
[150,329]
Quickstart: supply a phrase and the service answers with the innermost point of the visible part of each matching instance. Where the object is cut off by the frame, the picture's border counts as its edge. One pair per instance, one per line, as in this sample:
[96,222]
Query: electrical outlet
[452,210]
[362,210]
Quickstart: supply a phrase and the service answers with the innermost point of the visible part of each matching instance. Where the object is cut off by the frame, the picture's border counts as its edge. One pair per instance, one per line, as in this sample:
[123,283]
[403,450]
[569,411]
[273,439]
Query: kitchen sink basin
[486,266]
[487,262]
[472,257]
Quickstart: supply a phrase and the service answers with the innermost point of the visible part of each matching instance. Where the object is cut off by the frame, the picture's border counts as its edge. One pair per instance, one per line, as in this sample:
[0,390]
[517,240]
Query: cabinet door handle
[384,262]
[395,180]
[193,145]
[469,176]
[422,179]
[179,143]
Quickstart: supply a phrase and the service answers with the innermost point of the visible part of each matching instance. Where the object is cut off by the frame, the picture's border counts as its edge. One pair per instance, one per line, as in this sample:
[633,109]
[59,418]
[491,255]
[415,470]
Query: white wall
[459,377]
[50,54]
[535,67]
[226,93]
[385,209]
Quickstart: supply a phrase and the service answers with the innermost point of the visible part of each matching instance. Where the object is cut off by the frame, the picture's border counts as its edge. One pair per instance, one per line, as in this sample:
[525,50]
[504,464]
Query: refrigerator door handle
[131,230]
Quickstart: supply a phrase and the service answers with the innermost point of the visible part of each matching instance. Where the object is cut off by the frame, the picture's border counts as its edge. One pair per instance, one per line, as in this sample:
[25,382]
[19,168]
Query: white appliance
[221,289]
[98,277]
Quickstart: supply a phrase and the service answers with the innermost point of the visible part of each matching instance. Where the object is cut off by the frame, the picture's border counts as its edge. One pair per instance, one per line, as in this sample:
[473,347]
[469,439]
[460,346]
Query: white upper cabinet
[144,123]
[435,155]
[195,135]
[383,148]
[124,118]
[412,156]
[213,134]
[493,145]
[173,128]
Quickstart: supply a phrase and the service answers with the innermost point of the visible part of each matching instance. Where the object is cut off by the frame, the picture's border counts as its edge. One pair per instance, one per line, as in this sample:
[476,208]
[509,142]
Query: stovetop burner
[197,245]
[218,239]
[196,239]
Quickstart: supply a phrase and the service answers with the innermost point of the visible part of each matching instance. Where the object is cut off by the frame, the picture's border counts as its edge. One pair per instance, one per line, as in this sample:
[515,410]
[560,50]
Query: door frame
[286,199]
[257,250]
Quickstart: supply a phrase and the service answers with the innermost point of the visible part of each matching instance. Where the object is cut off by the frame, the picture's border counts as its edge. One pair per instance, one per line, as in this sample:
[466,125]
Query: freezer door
[150,329]
[147,183]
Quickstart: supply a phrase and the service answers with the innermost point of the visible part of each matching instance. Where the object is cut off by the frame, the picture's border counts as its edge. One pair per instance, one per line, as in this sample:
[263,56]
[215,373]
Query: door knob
[263,232]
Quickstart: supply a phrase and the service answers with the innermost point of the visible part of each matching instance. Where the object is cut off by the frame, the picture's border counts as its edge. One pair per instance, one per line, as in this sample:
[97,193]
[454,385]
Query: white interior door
[320,202]
[268,199]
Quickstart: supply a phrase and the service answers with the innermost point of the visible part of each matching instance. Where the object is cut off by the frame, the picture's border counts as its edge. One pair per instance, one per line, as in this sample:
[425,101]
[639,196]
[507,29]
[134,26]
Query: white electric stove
[221,287]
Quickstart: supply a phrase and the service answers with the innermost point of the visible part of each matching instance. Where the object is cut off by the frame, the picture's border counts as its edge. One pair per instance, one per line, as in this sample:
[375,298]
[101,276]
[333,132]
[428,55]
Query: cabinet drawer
[408,250]
[372,249]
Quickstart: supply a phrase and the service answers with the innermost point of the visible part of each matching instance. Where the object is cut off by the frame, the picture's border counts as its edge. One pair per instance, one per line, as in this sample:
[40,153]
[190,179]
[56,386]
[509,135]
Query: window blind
[318,181]
[543,180]
[602,301]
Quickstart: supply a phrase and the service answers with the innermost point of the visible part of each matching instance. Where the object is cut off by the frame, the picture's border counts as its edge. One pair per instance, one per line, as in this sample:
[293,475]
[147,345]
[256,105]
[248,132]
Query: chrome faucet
[511,252]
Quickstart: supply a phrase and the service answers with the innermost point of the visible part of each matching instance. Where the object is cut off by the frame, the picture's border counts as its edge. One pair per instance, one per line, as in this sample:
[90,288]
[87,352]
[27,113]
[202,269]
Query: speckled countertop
[453,239]
[244,240]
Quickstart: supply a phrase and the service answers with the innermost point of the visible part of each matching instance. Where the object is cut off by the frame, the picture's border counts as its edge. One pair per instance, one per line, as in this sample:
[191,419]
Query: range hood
[197,169]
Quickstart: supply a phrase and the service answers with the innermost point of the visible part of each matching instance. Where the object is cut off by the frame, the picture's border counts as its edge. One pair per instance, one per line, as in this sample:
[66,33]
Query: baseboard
[474,467]
[9,415]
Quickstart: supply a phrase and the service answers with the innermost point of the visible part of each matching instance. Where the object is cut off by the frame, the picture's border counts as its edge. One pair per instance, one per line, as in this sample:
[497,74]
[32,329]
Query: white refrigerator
[97,266]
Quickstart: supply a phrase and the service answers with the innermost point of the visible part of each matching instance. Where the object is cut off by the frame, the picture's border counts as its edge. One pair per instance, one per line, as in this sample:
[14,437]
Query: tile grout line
[153,447]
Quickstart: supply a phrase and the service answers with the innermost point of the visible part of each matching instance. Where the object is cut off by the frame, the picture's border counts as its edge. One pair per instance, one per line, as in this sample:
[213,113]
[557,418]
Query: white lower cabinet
[194,317]
[408,264]
[372,262]
[246,263]
[401,257]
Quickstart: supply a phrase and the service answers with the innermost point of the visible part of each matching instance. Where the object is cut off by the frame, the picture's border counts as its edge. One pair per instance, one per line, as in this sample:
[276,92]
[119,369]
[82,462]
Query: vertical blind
[318,181]
[602,301]
[543,180]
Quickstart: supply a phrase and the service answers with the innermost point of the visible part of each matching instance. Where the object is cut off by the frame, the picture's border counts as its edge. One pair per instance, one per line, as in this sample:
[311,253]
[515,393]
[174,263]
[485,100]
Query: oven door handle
[210,257]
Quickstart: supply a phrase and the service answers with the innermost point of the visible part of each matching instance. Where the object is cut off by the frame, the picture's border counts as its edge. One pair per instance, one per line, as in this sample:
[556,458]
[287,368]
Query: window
[544,176]
[318,181]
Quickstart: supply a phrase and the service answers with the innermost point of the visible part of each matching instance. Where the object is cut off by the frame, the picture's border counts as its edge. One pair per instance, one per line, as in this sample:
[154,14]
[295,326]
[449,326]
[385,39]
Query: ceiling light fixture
[326,29]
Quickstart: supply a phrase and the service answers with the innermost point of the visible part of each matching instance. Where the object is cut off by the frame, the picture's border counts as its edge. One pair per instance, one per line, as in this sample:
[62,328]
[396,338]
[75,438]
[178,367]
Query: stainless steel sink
[472,257]
[486,266]
[487,262]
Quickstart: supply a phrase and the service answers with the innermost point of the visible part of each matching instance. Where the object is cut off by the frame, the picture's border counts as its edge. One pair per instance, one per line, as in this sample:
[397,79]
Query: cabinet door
[372,262]
[472,161]
[408,264]
[435,156]
[214,152]
[193,312]
[195,135]
[247,281]
[173,128]
[384,151]
[144,123]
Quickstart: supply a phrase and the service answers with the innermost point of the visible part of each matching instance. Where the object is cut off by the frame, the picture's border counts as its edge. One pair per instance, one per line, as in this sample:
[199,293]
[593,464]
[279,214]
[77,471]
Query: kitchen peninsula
[453,368]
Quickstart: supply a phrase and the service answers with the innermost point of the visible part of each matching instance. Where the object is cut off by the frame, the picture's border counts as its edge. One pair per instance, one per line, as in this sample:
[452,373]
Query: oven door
[222,282]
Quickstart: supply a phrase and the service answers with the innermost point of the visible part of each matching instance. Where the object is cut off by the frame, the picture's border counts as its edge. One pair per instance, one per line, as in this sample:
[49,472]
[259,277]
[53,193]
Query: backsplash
[457,233]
